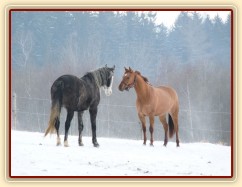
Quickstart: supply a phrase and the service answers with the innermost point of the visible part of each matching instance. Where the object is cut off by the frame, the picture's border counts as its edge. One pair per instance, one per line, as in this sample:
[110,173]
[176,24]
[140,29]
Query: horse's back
[69,80]
[69,84]
[171,94]
[69,88]
[171,91]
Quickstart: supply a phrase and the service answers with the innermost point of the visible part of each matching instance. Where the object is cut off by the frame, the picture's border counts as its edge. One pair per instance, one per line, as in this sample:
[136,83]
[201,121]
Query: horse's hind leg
[152,120]
[67,126]
[165,125]
[57,126]
[142,119]
[175,120]
[80,128]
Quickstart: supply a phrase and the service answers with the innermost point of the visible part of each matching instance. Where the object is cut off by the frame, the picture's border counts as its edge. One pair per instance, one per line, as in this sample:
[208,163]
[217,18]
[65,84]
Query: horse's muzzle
[108,91]
[121,87]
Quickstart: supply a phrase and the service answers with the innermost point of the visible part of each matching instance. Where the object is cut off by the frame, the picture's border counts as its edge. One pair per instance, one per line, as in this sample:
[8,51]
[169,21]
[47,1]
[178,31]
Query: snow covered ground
[33,155]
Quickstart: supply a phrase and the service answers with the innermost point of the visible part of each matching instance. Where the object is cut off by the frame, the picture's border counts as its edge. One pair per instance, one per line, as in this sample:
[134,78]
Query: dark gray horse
[78,94]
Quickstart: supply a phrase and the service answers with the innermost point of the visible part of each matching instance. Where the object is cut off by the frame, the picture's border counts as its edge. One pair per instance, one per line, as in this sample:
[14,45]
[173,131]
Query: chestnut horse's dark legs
[67,126]
[93,115]
[177,140]
[152,120]
[165,125]
[142,120]
[175,120]
[80,128]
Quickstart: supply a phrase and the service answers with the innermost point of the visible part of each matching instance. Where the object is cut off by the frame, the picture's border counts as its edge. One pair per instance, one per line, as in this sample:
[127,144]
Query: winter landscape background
[193,56]
[34,155]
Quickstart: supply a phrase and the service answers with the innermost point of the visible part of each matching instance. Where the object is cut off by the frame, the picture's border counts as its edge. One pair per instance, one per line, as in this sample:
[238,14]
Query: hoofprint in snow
[34,155]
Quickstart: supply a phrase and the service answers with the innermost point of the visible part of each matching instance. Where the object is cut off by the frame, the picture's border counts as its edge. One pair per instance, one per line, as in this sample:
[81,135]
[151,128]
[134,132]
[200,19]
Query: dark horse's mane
[144,78]
[99,75]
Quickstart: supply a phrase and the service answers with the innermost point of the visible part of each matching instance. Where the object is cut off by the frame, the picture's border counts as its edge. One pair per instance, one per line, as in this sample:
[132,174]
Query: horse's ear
[130,69]
[126,69]
[112,69]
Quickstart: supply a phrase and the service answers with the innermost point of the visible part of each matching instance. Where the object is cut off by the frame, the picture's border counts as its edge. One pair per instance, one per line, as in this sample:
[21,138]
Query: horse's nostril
[120,88]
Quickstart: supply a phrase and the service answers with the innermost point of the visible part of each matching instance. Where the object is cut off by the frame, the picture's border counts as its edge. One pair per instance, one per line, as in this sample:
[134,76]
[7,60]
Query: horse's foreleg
[165,126]
[67,126]
[152,120]
[142,119]
[80,128]
[93,115]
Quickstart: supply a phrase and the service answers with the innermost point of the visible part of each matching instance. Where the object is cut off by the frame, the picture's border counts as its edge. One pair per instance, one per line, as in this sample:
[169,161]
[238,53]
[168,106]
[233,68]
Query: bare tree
[22,59]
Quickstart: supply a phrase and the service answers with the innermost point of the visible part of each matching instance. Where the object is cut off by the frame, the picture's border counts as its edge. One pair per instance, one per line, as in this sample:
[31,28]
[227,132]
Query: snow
[34,155]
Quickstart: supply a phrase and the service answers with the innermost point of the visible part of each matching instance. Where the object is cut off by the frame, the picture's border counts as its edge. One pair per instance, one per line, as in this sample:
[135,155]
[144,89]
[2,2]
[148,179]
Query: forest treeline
[194,57]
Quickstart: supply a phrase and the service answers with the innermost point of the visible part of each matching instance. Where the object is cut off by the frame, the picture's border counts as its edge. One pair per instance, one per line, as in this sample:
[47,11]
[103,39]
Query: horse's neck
[142,89]
[97,78]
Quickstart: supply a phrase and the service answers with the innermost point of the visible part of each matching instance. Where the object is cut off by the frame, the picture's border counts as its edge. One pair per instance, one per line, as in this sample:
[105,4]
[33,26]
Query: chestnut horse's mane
[144,78]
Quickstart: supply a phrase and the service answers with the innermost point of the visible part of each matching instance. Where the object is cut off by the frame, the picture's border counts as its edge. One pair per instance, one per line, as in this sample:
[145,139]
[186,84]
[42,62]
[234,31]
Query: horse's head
[129,79]
[109,80]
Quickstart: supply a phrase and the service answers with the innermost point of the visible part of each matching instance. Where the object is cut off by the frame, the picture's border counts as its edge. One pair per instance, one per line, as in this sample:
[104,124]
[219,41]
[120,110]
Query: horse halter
[128,86]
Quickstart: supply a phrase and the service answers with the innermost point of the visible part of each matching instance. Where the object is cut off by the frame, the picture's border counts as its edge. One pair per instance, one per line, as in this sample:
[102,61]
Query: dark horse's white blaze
[108,90]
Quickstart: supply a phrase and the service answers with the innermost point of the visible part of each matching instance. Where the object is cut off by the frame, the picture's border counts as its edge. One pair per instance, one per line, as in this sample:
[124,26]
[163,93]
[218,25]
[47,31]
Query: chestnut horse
[153,101]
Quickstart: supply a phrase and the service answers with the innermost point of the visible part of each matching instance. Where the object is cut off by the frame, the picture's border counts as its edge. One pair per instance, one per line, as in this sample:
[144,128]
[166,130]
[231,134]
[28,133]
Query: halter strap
[132,84]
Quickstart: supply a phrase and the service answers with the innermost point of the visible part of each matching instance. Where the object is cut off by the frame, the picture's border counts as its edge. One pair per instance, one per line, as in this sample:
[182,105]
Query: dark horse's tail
[56,98]
[171,126]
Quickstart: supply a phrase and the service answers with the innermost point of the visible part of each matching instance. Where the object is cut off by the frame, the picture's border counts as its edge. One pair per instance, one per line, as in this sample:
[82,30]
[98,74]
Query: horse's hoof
[96,145]
[144,144]
[58,144]
[81,144]
[151,145]
[66,144]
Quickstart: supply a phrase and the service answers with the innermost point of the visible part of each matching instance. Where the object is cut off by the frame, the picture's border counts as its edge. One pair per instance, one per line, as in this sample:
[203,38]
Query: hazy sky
[168,17]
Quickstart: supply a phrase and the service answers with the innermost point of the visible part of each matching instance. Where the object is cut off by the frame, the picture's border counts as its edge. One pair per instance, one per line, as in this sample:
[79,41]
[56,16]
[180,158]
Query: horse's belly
[153,113]
[151,110]
[76,105]
[146,110]
[83,106]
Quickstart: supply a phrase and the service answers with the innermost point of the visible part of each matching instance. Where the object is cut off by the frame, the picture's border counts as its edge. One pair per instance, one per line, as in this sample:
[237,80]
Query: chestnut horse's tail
[56,98]
[171,126]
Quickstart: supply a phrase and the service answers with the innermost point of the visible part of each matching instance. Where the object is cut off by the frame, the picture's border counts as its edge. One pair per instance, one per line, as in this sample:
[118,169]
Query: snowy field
[33,155]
